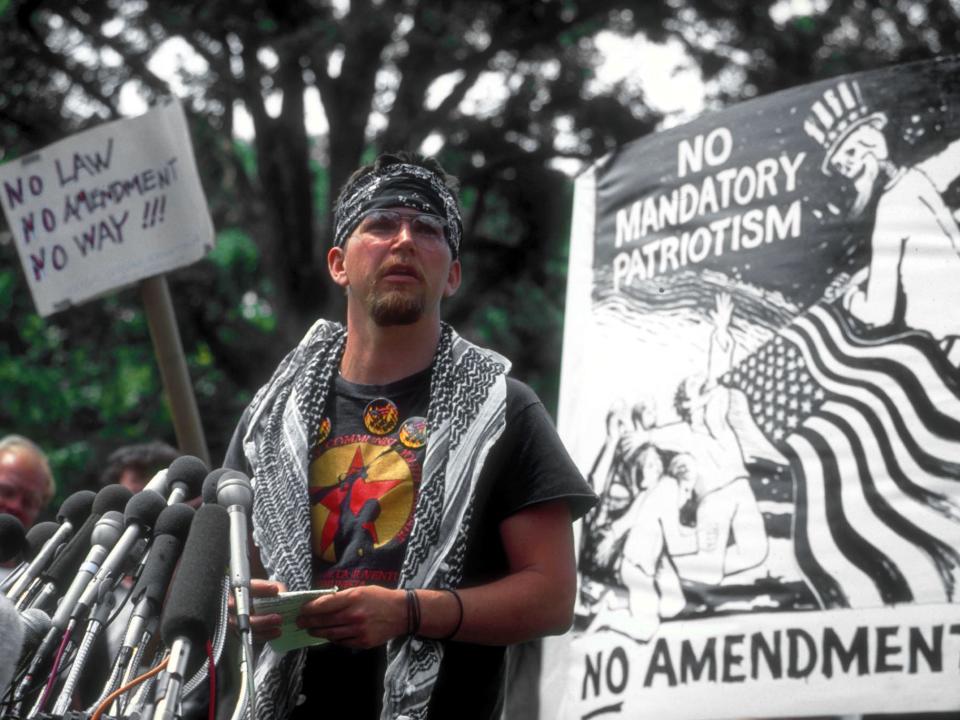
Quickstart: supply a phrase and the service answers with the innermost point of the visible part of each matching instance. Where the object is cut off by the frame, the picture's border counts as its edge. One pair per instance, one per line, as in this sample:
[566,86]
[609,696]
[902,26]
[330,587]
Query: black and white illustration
[762,382]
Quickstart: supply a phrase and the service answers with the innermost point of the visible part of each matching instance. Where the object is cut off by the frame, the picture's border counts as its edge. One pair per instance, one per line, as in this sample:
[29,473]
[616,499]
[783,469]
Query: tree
[389,74]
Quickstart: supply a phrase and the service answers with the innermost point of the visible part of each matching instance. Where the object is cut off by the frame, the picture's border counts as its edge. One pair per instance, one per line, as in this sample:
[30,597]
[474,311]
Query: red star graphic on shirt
[360,488]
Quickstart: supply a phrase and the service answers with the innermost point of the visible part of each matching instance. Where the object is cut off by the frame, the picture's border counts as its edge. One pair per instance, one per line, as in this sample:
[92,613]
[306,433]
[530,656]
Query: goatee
[396,308]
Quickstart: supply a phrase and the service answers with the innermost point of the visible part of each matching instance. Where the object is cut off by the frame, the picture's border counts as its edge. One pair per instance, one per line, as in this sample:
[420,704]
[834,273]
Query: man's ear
[453,279]
[335,264]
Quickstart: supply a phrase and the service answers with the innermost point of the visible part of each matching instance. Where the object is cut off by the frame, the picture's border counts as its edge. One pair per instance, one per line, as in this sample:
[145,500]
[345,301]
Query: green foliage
[234,249]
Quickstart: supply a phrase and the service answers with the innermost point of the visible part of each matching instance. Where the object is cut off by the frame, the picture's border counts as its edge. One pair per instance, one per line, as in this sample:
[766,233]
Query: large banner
[761,382]
[107,207]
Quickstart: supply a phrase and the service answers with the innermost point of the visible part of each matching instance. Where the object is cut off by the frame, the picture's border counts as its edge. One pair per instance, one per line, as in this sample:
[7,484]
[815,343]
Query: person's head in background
[133,465]
[26,482]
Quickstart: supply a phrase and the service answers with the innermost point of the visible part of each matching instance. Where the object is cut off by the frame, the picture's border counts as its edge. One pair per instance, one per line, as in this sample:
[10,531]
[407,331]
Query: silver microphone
[235,493]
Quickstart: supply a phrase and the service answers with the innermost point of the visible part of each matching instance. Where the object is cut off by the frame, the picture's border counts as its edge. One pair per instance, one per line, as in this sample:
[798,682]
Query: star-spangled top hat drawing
[838,112]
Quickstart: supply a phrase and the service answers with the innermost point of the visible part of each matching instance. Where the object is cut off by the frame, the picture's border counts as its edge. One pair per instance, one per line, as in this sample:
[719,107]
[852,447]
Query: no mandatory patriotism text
[732,198]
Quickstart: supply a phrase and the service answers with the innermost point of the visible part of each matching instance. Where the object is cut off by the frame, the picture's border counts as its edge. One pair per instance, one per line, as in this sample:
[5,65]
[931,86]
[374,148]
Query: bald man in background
[26,482]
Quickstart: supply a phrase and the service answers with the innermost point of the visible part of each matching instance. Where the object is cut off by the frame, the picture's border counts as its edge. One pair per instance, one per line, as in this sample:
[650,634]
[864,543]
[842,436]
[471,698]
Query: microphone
[64,568]
[104,535]
[173,525]
[71,515]
[158,483]
[12,537]
[190,615]
[235,493]
[210,483]
[58,576]
[170,533]
[11,641]
[77,507]
[185,478]
[36,624]
[36,537]
[138,517]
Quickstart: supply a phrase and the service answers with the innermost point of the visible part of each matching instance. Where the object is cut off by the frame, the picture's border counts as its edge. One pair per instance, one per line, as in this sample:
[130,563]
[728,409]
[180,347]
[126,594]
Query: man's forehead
[16,464]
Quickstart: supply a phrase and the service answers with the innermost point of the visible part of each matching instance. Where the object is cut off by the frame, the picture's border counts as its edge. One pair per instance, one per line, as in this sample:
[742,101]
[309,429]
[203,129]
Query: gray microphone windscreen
[11,642]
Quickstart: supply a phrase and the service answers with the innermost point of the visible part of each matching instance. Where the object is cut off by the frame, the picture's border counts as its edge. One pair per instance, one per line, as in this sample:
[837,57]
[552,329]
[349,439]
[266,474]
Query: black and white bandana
[398,185]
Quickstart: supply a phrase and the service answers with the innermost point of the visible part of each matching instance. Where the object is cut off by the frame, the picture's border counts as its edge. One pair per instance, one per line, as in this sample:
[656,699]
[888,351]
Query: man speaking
[398,462]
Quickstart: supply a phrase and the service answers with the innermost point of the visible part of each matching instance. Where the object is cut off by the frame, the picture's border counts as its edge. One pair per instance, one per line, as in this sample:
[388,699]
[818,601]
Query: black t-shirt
[364,475]
[527,465]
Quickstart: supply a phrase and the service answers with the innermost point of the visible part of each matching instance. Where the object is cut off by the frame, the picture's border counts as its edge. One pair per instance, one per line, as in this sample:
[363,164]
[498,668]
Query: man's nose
[404,234]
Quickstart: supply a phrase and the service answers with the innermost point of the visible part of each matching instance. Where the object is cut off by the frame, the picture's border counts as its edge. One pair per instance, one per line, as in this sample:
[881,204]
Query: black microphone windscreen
[144,508]
[175,520]
[112,497]
[210,485]
[158,570]
[77,507]
[64,567]
[37,537]
[194,600]
[12,537]
[188,470]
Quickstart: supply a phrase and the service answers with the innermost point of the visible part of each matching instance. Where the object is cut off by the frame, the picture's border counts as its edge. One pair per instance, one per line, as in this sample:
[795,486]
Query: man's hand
[263,627]
[360,617]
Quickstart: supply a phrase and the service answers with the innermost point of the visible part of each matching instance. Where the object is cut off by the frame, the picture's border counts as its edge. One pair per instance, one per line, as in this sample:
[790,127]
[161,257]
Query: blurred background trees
[285,99]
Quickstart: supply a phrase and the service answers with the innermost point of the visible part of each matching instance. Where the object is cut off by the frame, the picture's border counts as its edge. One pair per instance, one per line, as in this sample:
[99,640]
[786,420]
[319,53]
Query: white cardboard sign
[107,207]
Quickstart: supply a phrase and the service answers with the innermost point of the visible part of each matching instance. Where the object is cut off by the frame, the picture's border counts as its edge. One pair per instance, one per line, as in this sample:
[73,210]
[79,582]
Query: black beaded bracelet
[456,629]
[413,613]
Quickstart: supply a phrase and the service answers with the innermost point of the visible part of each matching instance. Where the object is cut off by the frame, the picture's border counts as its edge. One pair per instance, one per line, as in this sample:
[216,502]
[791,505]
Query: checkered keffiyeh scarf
[466,416]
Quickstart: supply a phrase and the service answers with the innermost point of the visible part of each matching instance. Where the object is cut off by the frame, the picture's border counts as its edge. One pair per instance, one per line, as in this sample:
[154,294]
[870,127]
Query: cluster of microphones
[146,569]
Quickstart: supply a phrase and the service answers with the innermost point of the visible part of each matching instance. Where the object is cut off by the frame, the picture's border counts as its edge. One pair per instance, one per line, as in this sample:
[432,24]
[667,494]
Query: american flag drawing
[871,429]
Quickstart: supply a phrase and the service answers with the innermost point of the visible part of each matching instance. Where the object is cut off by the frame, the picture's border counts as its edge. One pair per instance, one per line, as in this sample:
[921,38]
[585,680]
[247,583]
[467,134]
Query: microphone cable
[54,671]
[212,706]
[102,708]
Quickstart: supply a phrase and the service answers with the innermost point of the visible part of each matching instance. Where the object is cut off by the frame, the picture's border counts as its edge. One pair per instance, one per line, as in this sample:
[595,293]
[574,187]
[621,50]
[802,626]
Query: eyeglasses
[383,224]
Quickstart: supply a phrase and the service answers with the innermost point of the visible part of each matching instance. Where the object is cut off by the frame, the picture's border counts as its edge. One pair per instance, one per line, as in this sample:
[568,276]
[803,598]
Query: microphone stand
[42,559]
[92,630]
[241,592]
[135,705]
[166,703]
[65,648]
[36,594]
[10,579]
[235,493]
[140,703]
[138,635]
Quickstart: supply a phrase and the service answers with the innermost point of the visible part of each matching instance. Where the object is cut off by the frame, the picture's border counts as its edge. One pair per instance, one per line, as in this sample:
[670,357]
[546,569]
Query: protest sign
[106,207]
[760,380]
